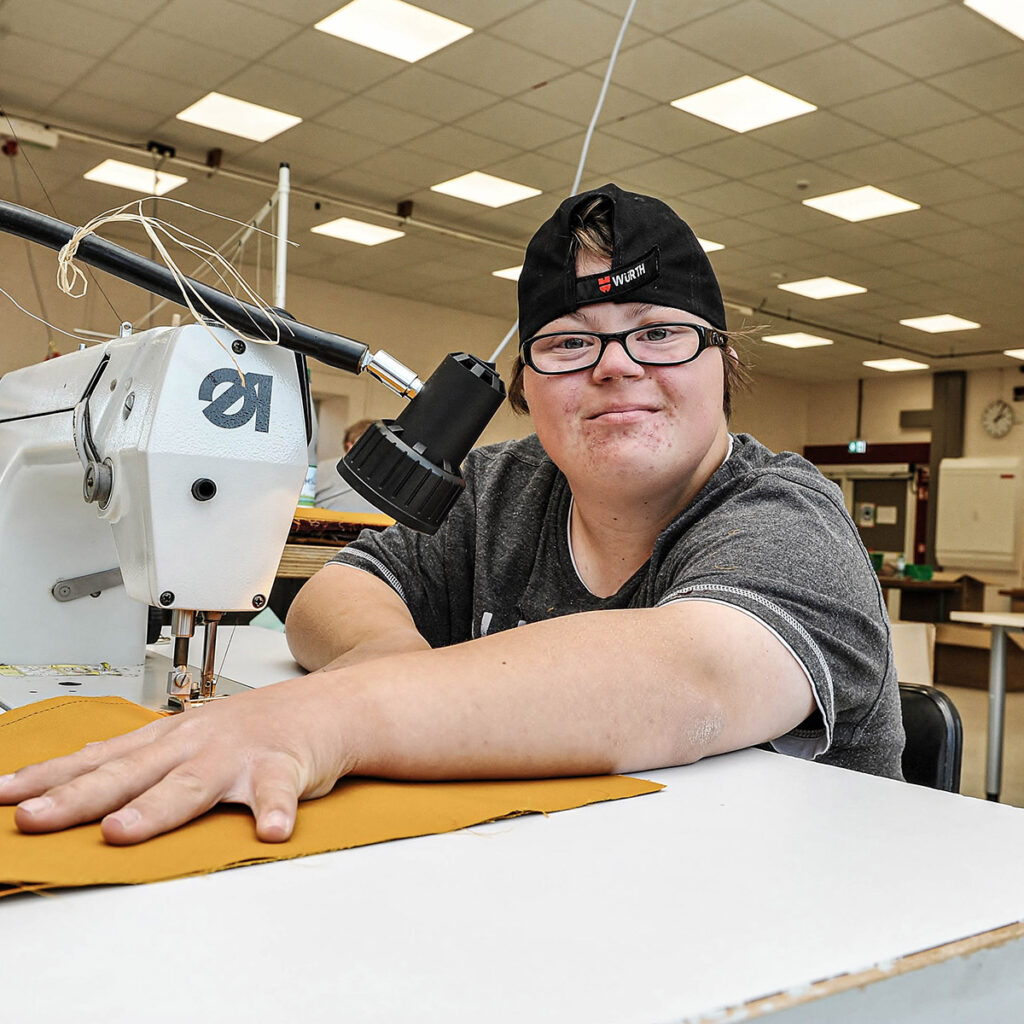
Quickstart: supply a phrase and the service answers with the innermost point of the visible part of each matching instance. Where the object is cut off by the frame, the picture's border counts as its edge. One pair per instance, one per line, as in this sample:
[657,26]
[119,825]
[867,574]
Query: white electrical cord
[586,143]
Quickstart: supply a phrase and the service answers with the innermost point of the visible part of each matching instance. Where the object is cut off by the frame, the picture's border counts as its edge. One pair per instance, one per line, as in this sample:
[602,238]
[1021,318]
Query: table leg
[996,712]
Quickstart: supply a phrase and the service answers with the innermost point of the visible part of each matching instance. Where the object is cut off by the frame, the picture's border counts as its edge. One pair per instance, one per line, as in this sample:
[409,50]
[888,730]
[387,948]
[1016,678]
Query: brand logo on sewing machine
[254,395]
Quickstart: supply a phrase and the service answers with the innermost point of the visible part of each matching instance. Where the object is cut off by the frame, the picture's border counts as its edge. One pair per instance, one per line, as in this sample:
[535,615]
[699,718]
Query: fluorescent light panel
[485,189]
[743,104]
[864,203]
[940,324]
[135,178]
[710,246]
[509,273]
[895,365]
[393,27]
[357,231]
[1008,14]
[822,288]
[797,340]
[1014,353]
[238,117]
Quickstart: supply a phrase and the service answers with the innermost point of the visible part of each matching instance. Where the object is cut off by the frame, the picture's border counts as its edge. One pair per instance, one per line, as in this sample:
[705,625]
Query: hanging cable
[586,143]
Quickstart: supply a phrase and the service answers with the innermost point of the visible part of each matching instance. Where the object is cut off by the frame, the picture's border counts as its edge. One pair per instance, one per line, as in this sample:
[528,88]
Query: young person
[632,587]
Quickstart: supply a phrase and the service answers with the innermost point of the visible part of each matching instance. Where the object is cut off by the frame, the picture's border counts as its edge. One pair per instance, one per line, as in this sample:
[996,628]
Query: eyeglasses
[653,345]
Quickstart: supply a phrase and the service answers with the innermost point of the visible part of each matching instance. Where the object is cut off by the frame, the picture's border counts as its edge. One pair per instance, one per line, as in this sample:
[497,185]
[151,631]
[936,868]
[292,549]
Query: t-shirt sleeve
[432,574]
[787,554]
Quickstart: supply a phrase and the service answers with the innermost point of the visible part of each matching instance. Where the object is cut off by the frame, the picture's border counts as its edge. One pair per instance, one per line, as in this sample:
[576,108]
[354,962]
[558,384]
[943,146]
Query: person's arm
[343,616]
[583,694]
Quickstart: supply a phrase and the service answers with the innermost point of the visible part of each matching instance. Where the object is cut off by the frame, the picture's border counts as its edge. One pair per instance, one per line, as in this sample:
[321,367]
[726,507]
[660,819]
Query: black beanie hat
[656,258]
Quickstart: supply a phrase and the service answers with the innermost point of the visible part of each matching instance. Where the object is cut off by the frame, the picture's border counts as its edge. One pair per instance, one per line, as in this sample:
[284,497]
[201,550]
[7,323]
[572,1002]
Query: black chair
[935,738]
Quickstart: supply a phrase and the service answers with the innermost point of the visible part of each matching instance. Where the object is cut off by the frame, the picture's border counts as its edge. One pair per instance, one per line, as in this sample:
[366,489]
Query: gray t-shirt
[767,534]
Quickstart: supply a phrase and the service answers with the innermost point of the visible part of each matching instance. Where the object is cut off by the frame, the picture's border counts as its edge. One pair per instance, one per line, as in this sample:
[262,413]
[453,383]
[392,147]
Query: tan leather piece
[357,812]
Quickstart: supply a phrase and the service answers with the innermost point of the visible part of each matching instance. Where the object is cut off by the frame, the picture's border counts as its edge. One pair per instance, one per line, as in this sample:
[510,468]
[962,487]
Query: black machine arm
[409,467]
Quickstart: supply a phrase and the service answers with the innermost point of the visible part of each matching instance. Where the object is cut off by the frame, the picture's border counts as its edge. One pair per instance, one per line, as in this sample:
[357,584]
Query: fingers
[38,778]
[195,787]
[180,795]
[90,795]
[274,804]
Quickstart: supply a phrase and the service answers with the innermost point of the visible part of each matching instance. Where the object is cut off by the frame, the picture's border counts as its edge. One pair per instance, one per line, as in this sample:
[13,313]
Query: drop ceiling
[921,98]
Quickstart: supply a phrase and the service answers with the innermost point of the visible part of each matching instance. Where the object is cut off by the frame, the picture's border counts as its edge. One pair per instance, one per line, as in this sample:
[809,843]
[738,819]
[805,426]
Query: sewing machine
[162,469]
[141,472]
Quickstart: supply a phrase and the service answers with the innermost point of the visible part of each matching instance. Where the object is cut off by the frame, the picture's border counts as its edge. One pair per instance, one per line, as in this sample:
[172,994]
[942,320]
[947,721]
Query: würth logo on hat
[623,278]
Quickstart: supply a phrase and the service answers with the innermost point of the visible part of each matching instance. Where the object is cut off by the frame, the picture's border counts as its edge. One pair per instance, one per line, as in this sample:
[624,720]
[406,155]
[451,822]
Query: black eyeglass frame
[708,337]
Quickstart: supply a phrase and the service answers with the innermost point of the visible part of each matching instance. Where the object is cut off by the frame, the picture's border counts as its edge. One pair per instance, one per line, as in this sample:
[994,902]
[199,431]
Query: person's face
[645,426]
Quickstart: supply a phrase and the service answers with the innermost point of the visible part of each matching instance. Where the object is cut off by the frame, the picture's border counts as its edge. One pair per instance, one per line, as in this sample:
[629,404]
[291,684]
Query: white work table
[1000,623]
[751,875]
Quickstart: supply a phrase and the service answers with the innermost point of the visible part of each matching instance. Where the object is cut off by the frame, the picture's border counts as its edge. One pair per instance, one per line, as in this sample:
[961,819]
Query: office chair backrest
[934,738]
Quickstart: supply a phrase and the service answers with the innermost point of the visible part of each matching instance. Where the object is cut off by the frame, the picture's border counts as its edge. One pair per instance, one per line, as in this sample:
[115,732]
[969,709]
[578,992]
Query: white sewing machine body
[204,474]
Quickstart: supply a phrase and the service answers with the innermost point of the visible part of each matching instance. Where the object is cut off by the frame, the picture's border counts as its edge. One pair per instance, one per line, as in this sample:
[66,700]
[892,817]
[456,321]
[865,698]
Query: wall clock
[997,418]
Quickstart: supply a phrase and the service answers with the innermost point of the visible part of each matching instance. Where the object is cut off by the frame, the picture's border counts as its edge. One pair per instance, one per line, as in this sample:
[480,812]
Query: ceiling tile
[952,36]
[495,65]
[989,85]
[669,176]
[796,181]
[337,62]
[851,19]
[605,156]
[511,122]
[661,16]
[738,157]
[565,30]
[907,108]
[1006,171]
[978,136]
[65,25]
[341,148]
[271,87]
[430,95]
[751,35]
[201,67]
[834,74]
[882,162]
[33,58]
[815,135]
[236,29]
[475,151]
[362,116]
[665,130]
[940,186]
[734,198]
[575,96]
[983,210]
[666,70]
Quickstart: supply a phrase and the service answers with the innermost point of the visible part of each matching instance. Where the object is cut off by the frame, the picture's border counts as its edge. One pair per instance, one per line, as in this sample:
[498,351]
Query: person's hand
[266,748]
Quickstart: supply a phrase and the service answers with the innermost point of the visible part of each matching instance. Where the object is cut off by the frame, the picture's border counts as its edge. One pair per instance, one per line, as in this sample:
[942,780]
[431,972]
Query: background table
[1000,623]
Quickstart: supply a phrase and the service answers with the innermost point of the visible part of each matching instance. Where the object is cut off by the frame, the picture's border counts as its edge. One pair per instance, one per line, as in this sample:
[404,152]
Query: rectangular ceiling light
[710,246]
[822,288]
[894,365]
[864,203]
[357,231]
[135,178]
[743,104]
[485,189]
[509,273]
[238,117]
[1014,353]
[797,340]
[940,324]
[1008,14]
[393,27]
